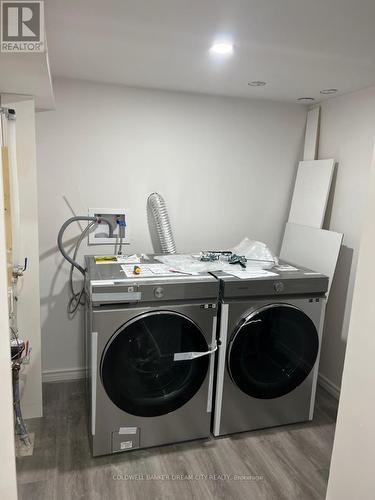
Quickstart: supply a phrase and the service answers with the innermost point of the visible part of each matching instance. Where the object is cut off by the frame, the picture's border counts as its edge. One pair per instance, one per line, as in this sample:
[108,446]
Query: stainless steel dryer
[150,357]
[269,344]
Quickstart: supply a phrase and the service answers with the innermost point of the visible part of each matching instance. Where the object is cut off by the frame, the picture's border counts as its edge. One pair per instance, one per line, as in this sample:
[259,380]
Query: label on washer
[127,430]
[125,445]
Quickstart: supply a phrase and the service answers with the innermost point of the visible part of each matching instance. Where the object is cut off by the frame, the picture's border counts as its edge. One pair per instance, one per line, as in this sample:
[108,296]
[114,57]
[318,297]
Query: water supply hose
[63,229]
[159,211]
[78,298]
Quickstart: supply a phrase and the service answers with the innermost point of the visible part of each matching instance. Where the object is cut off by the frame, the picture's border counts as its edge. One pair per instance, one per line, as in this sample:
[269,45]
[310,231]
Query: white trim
[316,368]
[94,372]
[63,374]
[221,368]
[329,386]
[15,192]
[212,366]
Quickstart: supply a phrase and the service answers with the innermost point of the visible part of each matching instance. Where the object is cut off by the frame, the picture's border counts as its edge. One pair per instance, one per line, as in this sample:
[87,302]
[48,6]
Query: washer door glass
[138,369]
[273,351]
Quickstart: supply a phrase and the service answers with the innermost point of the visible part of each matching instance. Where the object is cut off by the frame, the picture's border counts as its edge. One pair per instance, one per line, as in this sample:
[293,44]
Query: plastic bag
[190,264]
[257,253]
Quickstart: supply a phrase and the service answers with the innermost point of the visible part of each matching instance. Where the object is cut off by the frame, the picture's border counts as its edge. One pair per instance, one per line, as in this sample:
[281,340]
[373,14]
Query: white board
[310,151]
[311,247]
[311,192]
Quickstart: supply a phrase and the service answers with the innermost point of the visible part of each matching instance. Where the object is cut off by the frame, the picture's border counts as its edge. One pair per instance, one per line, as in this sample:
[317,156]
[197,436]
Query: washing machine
[150,344]
[269,344]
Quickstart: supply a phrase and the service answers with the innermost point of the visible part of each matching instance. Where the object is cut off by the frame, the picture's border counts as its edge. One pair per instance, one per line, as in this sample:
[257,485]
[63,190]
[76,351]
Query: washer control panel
[278,286]
[159,292]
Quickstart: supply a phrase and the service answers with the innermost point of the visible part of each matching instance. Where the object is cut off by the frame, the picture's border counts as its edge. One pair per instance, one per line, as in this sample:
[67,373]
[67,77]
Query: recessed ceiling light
[222,48]
[329,91]
[257,83]
[306,99]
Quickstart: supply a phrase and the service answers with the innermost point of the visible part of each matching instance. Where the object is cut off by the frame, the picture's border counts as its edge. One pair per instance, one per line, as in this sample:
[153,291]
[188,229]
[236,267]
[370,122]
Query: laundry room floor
[290,462]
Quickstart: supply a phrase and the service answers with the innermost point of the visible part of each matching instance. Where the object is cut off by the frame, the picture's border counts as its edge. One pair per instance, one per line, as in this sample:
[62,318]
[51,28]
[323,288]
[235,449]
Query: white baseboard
[329,386]
[63,374]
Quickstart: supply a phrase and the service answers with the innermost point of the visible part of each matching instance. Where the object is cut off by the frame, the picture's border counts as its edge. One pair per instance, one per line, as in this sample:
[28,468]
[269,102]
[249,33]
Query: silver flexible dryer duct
[158,209]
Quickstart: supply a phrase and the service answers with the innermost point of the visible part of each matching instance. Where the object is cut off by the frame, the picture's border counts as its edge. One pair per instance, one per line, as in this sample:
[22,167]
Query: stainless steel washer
[269,344]
[150,358]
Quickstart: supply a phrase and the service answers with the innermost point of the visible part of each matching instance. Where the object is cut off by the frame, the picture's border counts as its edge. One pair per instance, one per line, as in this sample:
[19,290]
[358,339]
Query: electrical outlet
[119,219]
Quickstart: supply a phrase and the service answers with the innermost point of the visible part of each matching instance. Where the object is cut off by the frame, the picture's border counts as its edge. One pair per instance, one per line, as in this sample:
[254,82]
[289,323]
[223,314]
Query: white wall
[353,458]
[347,134]
[225,167]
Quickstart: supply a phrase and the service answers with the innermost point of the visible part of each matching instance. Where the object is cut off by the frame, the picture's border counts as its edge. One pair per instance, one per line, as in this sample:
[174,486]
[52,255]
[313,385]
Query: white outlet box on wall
[119,219]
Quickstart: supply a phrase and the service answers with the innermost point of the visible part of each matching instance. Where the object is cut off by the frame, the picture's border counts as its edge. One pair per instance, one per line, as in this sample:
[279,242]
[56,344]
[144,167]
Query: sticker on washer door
[183,356]
[125,445]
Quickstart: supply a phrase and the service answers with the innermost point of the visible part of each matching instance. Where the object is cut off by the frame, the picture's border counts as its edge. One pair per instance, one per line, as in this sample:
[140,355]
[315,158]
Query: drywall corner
[28,289]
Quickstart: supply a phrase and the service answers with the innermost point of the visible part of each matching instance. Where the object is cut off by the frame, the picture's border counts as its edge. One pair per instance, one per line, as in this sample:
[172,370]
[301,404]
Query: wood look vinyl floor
[284,463]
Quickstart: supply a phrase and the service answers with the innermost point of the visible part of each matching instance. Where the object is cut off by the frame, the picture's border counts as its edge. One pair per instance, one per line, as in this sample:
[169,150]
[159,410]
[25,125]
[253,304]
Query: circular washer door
[138,369]
[272,351]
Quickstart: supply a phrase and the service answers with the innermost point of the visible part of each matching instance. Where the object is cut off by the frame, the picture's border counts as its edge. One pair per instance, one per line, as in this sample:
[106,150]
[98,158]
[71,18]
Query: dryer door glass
[138,368]
[273,351]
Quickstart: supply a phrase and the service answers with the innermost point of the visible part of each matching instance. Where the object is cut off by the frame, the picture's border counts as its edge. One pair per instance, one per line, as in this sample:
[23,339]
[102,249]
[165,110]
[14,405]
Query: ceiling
[27,75]
[297,46]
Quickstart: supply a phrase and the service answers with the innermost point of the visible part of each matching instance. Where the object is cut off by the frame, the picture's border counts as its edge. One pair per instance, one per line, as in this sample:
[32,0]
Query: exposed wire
[19,352]
[21,428]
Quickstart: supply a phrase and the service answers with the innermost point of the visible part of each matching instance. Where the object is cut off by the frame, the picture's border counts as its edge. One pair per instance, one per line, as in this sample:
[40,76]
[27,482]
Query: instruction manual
[285,267]
[251,273]
[128,259]
[148,270]
[117,259]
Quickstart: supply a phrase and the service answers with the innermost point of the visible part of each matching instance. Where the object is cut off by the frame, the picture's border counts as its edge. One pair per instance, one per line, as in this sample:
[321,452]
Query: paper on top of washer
[250,273]
[128,259]
[285,267]
[117,259]
[149,270]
